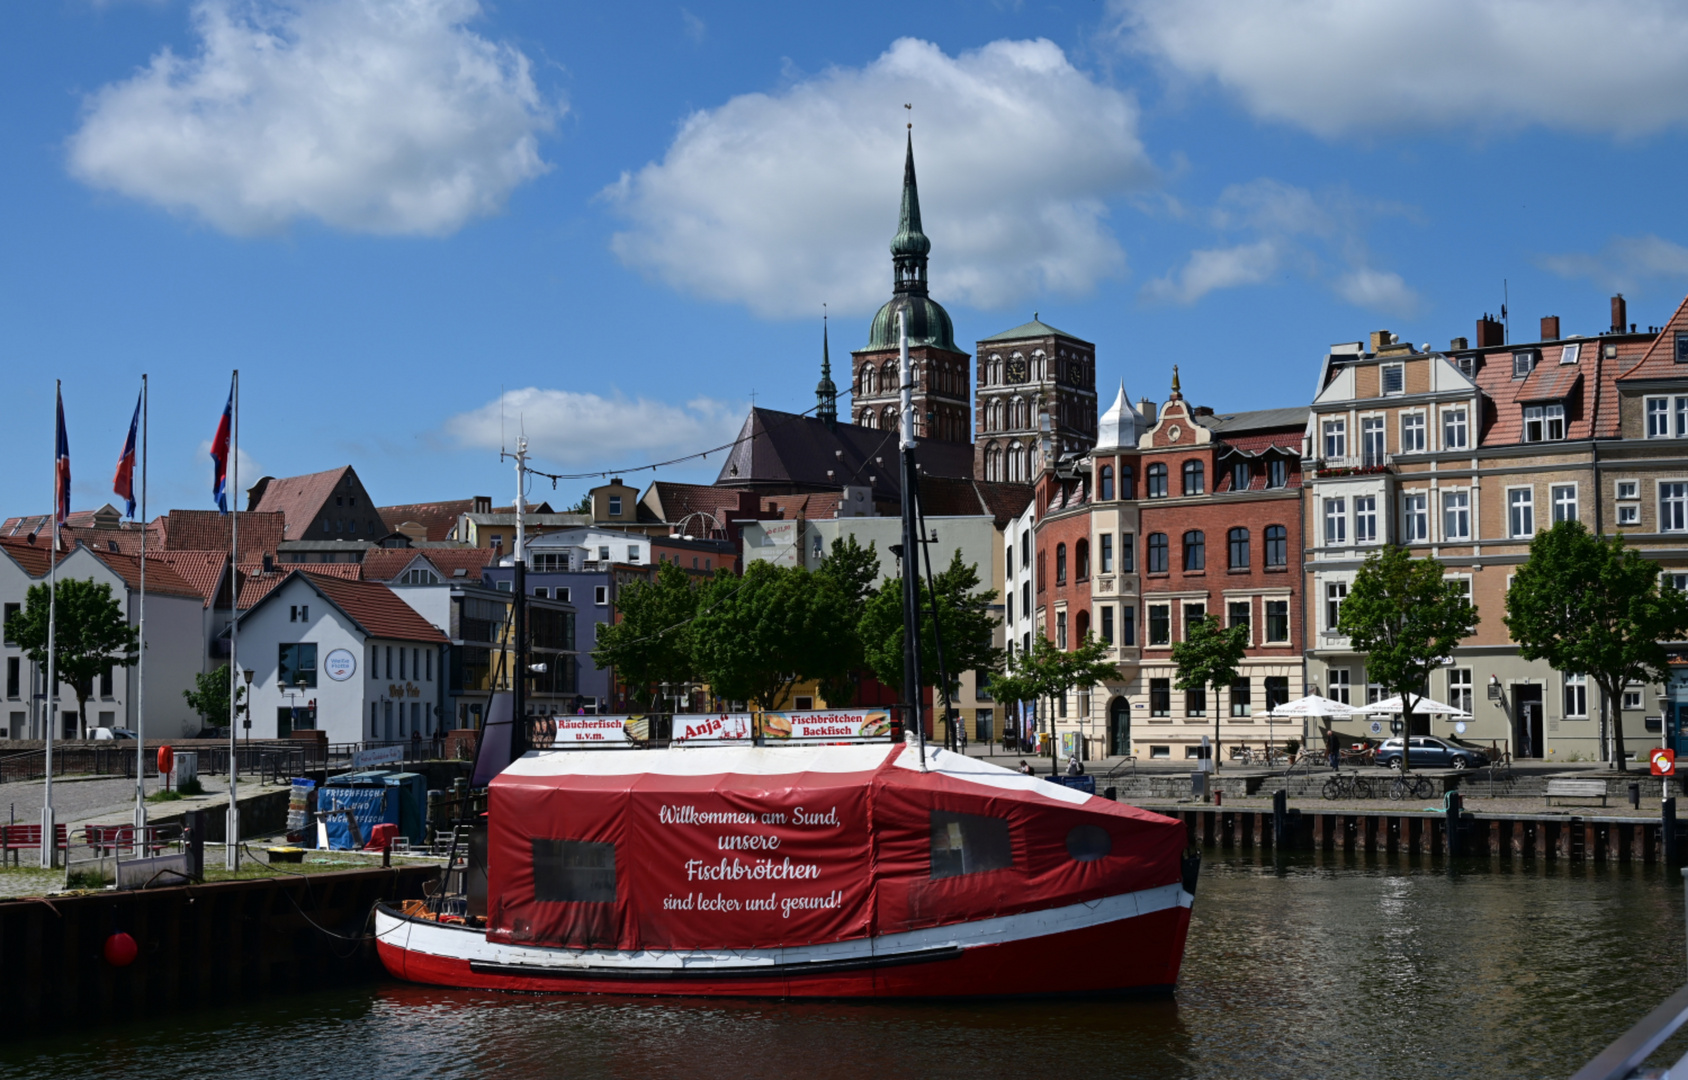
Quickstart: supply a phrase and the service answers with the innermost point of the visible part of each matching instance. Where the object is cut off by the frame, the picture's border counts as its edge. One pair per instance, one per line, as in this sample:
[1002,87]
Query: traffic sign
[1663,762]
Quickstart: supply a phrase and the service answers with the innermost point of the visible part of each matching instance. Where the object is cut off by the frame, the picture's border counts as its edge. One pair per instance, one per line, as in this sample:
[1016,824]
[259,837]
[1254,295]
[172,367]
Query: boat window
[573,871]
[1087,843]
[968,844]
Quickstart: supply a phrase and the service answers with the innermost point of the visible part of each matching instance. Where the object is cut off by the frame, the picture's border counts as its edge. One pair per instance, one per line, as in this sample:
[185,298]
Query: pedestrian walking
[1333,748]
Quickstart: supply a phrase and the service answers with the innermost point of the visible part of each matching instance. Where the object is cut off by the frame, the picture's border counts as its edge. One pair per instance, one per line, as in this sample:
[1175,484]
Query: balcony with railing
[1367,464]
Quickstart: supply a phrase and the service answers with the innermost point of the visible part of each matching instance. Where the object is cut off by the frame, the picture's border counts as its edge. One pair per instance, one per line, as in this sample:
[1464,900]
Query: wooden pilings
[1592,839]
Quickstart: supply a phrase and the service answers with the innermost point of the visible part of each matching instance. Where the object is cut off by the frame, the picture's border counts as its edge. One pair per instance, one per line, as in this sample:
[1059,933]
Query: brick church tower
[942,378]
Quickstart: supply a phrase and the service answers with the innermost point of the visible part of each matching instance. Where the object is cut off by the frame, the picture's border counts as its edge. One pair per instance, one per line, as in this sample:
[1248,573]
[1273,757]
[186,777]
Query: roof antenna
[500,421]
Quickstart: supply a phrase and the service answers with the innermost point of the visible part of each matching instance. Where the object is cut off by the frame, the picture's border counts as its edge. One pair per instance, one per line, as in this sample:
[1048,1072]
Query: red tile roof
[301,498]
[206,571]
[1591,408]
[1659,360]
[438,518]
[257,583]
[386,564]
[208,530]
[162,580]
[374,608]
[32,557]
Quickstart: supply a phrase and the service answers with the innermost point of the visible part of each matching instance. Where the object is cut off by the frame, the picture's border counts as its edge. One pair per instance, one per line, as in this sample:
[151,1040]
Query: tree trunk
[1214,701]
[1620,757]
[1406,733]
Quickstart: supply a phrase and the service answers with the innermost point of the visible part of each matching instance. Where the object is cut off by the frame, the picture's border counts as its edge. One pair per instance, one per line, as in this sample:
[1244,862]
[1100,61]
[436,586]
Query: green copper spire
[826,392]
[909,239]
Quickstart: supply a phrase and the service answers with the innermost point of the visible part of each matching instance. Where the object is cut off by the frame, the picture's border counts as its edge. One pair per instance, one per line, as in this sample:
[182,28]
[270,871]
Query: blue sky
[613,224]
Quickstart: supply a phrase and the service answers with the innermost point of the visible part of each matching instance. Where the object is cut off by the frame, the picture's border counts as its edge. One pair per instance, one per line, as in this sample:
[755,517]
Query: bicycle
[1416,786]
[1347,786]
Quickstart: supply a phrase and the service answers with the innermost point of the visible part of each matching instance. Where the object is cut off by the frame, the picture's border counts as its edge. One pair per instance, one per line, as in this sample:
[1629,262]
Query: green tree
[651,643]
[852,568]
[584,506]
[1047,674]
[757,636]
[964,618]
[91,637]
[1588,605]
[1208,658]
[210,696]
[1405,616]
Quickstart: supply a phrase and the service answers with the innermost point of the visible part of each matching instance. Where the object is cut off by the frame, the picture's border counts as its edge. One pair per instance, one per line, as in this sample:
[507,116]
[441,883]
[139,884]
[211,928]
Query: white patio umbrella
[1311,705]
[1422,706]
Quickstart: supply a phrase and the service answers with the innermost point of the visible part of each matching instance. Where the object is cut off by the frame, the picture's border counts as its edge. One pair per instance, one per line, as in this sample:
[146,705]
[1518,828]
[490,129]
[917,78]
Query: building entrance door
[1528,729]
[1119,727]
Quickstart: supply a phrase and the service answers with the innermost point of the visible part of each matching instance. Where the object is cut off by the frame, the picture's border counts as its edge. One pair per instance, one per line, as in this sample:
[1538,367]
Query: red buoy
[166,759]
[121,950]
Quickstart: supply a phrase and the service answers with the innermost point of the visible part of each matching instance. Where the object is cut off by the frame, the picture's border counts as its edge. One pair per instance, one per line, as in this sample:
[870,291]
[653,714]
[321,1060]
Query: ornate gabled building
[1021,371]
[941,383]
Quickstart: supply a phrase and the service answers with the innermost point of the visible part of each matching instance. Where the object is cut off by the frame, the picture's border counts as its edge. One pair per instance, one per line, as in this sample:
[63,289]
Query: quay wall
[199,945]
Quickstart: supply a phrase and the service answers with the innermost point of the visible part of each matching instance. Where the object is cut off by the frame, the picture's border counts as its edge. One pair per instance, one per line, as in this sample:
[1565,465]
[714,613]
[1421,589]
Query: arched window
[1081,560]
[1081,625]
[1154,553]
[1156,479]
[888,418]
[1236,545]
[1277,545]
[1127,483]
[1060,564]
[1195,550]
[1105,483]
[1240,475]
[1195,478]
[888,377]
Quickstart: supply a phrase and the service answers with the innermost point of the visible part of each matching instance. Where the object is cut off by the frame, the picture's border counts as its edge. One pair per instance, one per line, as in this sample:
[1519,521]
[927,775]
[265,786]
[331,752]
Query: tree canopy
[1208,657]
[1046,673]
[1588,605]
[210,696]
[964,618]
[1406,616]
[92,635]
[852,568]
[651,643]
[757,636]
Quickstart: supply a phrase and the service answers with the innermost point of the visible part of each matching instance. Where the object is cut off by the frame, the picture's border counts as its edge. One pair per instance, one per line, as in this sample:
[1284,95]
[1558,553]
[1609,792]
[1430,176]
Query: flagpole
[49,850]
[141,663]
[231,829]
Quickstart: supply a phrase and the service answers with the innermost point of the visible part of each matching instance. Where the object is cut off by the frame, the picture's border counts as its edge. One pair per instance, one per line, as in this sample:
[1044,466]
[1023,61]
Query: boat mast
[518,613]
[911,542]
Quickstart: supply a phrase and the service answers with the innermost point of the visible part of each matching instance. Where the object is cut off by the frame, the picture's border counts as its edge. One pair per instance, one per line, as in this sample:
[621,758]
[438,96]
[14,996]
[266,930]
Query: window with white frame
[1521,512]
[1415,517]
[1394,378]
[1336,521]
[601,595]
[1454,429]
[1564,502]
[1673,507]
[1365,519]
[1626,489]
[1676,581]
[1277,620]
[1412,433]
[1371,440]
[1576,697]
[1544,423]
[1568,354]
[1456,515]
[1522,364]
[1336,438]
[1629,513]
[1658,417]
[1459,688]
[1632,699]
[1680,411]
[1335,593]
[1461,582]
[1341,685]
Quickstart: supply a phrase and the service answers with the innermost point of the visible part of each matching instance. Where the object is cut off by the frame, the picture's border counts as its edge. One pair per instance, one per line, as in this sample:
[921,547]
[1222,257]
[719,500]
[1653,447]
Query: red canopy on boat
[763,847]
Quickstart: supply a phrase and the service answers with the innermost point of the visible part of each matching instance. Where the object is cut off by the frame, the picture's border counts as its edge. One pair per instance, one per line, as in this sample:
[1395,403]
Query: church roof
[1121,425]
[928,324]
[1037,328]
[910,240]
[785,450]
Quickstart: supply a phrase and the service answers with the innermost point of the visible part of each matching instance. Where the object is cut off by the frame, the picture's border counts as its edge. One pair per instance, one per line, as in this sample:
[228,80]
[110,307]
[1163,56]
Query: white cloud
[1293,229]
[695,28]
[1338,67]
[379,116]
[250,471]
[1624,262]
[573,428]
[1215,268]
[783,200]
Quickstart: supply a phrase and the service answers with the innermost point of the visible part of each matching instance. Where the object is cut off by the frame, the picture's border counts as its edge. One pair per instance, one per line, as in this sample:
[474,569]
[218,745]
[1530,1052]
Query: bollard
[1635,796]
[1280,818]
[1456,803]
[1218,797]
[1667,831]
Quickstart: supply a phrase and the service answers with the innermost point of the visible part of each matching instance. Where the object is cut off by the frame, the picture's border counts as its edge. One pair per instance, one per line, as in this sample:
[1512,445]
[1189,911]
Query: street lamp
[246,707]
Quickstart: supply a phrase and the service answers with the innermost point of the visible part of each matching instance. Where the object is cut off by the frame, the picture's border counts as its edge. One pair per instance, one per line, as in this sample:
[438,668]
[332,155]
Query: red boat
[805,871]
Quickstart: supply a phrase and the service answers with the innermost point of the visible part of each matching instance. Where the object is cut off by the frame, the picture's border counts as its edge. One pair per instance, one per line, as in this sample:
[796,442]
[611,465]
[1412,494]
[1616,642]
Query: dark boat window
[1087,843]
[968,844]
[573,871]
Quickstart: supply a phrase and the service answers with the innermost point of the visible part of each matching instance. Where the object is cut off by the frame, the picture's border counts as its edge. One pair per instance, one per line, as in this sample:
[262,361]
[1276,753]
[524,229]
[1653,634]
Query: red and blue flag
[61,468]
[124,482]
[220,455]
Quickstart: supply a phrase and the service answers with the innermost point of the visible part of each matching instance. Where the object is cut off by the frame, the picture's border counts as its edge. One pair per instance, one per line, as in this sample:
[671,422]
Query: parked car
[107,734]
[1432,753]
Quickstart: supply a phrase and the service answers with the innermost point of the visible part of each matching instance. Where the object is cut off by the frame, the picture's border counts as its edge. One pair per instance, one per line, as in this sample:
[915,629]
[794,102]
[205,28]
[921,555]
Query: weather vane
[910,109]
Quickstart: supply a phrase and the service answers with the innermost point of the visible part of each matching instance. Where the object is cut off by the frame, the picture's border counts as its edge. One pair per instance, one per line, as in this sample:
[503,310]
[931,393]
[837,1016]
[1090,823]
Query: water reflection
[1337,965]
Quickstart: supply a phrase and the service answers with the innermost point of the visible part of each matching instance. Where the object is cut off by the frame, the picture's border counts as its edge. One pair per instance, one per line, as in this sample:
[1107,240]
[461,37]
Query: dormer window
[1522,364]
[1394,378]
[1682,347]
[1544,423]
[1569,354]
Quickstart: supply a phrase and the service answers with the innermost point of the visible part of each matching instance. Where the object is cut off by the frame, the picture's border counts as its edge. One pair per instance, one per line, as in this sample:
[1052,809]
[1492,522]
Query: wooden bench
[1576,789]
[16,839]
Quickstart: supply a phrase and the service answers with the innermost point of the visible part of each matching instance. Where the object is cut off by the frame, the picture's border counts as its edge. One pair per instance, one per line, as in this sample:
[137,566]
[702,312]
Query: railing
[115,760]
[1354,463]
[1626,1058]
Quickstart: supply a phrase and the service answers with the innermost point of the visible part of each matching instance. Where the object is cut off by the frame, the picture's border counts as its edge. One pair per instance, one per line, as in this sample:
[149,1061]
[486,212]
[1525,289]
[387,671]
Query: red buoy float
[120,948]
[166,759]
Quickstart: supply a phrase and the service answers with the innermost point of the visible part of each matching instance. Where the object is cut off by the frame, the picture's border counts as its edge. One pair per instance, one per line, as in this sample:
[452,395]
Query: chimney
[1490,332]
[1381,339]
[1550,328]
[1457,344]
[482,504]
[1620,314]
[1148,409]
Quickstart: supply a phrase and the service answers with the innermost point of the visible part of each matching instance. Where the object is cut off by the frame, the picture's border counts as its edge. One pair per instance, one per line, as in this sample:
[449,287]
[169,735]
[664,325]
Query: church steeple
[910,246]
[826,392]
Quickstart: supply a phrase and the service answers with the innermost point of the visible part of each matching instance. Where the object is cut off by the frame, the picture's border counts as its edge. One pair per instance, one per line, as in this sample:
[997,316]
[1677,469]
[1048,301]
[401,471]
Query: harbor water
[1304,966]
